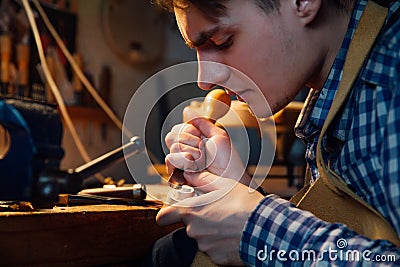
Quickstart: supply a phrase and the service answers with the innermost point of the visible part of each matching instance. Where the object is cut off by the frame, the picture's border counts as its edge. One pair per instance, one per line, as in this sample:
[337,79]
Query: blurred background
[119,44]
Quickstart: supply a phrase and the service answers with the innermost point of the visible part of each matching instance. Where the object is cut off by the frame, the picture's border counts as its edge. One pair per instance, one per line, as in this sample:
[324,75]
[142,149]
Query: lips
[240,99]
[229,92]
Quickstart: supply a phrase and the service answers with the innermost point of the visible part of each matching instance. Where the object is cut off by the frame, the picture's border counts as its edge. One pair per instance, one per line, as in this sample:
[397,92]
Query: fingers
[182,211]
[186,149]
[168,215]
[183,148]
[184,133]
[190,113]
[187,144]
[206,127]
[183,161]
[204,181]
[185,210]
[179,212]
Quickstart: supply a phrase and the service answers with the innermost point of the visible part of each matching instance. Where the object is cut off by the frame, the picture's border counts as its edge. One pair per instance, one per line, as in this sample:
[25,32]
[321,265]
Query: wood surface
[107,235]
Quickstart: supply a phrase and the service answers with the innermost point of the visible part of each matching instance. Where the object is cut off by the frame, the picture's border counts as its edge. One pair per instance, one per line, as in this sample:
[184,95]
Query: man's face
[260,45]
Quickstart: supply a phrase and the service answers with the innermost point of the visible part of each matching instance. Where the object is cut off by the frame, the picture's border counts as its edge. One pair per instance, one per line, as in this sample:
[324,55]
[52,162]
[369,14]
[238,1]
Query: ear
[307,10]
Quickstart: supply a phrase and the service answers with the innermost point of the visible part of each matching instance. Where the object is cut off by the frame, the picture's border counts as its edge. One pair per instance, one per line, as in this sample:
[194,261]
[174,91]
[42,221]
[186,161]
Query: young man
[282,46]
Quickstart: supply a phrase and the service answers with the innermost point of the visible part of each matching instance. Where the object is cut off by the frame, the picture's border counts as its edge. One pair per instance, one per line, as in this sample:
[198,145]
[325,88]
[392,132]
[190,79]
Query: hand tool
[52,182]
[133,191]
[82,199]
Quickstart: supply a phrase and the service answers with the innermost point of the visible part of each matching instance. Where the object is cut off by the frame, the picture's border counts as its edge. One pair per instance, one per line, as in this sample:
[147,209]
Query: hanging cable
[79,72]
[53,87]
[93,92]
[87,85]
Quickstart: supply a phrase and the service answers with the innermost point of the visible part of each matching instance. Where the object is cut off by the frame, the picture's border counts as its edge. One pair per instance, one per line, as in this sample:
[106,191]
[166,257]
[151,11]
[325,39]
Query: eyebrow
[203,37]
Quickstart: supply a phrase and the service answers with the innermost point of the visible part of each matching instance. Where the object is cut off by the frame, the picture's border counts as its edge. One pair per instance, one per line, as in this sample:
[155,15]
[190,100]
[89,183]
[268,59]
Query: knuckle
[190,231]
[223,136]
[188,156]
[168,159]
[169,139]
[171,161]
[183,138]
[174,148]
[177,128]
[191,129]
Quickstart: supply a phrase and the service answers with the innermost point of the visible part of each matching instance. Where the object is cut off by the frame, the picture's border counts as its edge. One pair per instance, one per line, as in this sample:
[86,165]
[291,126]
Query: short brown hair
[215,9]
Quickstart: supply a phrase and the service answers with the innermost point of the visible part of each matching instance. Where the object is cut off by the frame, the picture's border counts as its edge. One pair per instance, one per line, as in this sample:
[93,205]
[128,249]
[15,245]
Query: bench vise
[31,141]
[31,151]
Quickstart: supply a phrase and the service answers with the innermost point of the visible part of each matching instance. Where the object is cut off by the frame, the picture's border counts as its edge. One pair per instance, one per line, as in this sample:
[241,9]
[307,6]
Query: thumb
[190,113]
[206,127]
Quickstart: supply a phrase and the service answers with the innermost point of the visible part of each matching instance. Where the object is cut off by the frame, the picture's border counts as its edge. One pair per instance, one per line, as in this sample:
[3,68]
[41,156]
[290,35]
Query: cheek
[261,74]
[272,69]
[262,57]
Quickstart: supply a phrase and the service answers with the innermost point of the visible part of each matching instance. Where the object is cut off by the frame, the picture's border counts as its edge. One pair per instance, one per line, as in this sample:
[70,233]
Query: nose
[211,74]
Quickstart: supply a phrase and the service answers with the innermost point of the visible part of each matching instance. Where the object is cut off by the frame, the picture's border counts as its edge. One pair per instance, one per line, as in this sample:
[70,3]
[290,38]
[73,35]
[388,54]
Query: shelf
[88,114]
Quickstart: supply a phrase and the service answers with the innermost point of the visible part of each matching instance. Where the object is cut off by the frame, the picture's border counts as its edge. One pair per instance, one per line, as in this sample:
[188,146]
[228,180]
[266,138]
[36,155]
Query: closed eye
[225,45]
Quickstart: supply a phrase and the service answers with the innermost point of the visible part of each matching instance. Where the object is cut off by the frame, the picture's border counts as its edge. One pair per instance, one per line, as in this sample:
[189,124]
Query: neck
[333,33]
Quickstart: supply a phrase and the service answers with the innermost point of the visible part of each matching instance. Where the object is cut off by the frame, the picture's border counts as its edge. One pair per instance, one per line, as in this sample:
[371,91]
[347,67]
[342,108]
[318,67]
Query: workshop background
[105,31]
[119,44]
[51,212]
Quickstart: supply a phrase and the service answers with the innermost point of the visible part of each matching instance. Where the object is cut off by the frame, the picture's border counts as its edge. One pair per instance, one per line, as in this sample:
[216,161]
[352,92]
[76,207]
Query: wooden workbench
[95,235]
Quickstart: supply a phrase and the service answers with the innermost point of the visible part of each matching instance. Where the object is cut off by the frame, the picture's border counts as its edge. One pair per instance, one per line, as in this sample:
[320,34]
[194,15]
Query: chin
[259,114]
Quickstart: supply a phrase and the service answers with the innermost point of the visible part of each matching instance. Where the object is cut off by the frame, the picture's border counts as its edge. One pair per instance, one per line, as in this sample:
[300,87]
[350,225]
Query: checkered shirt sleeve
[278,234]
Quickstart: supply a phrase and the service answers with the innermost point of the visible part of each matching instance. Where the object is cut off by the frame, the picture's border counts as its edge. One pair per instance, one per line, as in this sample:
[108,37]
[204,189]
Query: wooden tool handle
[23,64]
[5,52]
[216,104]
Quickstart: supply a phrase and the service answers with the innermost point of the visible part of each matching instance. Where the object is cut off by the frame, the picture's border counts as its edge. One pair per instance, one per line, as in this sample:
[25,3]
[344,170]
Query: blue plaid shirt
[364,148]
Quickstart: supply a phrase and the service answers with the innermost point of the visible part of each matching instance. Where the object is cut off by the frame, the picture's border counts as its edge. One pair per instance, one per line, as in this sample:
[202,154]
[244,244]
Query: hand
[200,145]
[215,219]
